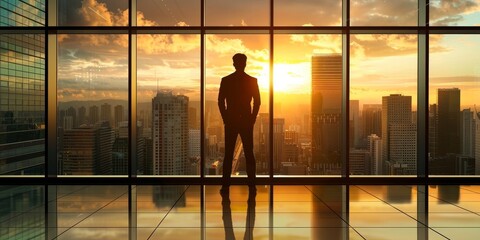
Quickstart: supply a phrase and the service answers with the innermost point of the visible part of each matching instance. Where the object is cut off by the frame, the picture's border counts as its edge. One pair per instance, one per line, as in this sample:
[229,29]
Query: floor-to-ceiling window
[353,92]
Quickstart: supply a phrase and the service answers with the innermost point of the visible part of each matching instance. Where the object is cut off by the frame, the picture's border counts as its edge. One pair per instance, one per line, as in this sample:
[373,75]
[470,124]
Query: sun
[292,78]
[287,78]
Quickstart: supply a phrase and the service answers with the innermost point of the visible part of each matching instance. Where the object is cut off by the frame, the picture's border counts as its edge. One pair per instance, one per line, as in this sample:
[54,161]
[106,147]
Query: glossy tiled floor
[278,212]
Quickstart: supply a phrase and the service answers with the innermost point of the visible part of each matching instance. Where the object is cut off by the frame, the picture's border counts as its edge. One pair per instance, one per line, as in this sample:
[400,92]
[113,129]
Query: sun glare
[287,78]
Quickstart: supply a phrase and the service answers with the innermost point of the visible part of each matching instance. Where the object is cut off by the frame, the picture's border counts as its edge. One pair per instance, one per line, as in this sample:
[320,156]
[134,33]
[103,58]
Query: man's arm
[221,101]
[256,101]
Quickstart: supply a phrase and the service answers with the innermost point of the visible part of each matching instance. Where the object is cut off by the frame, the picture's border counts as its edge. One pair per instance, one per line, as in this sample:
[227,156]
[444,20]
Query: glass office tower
[22,90]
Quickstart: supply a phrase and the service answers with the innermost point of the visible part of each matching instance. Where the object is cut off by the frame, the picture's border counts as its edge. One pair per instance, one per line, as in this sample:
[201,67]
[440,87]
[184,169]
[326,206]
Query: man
[234,101]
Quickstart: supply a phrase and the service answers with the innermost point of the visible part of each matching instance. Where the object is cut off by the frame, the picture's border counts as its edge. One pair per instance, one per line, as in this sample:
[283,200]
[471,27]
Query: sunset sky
[381,64]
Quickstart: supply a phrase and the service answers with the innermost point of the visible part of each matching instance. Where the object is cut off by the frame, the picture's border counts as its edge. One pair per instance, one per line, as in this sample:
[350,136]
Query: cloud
[384,13]
[322,43]
[167,43]
[450,12]
[308,12]
[98,14]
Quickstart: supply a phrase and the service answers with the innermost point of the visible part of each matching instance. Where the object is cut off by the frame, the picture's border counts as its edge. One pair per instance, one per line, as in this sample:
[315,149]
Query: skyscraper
[399,137]
[355,122]
[372,119]
[278,142]
[93,114]
[448,121]
[106,113]
[72,113]
[359,161]
[326,113]
[376,154]
[432,130]
[82,115]
[170,134]
[467,128]
[88,150]
[22,91]
[118,112]
[477,142]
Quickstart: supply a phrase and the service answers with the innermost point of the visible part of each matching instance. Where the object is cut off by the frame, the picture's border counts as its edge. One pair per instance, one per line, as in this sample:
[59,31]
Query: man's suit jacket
[234,98]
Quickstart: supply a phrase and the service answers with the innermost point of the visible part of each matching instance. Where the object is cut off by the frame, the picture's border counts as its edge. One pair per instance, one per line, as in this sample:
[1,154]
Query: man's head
[239,61]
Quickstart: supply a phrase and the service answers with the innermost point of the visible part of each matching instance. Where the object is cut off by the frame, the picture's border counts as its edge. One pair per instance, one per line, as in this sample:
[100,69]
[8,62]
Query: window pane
[168,104]
[92,104]
[21,13]
[454,13]
[383,93]
[384,13]
[22,104]
[454,131]
[308,104]
[219,51]
[168,13]
[308,13]
[23,212]
[237,13]
[93,12]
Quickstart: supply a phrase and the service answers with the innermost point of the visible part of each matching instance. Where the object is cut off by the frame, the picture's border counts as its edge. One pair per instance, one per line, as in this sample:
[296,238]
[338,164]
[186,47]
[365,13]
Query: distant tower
[399,137]
[432,130]
[355,129]
[467,128]
[326,115]
[448,121]
[82,115]
[372,119]
[477,142]
[106,113]
[376,154]
[71,112]
[290,146]
[170,134]
[93,114]
[278,142]
[118,112]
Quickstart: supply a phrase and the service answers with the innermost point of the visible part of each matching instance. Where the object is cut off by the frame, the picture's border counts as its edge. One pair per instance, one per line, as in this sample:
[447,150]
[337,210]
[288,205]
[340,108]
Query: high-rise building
[93,114]
[448,121]
[88,150]
[261,140]
[72,112]
[22,91]
[355,121]
[23,14]
[82,116]
[372,119]
[278,142]
[467,128]
[359,161]
[290,146]
[399,137]
[106,113]
[193,121]
[376,154]
[170,134]
[477,142]
[118,113]
[194,143]
[432,130]
[326,107]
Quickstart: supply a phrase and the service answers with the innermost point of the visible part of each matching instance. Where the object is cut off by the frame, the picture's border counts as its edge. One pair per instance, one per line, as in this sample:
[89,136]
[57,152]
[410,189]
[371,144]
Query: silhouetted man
[234,101]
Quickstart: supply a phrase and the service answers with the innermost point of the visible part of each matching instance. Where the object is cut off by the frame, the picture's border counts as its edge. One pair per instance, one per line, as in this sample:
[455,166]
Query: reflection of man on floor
[227,215]
[234,101]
